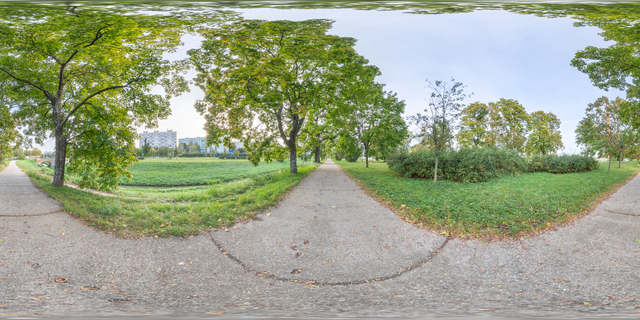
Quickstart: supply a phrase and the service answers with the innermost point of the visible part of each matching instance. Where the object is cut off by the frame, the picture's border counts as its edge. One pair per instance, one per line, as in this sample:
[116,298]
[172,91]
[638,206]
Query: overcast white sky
[496,54]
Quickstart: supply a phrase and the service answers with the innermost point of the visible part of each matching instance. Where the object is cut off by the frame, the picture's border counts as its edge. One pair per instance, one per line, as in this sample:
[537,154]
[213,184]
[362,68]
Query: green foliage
[195,171]
[474,126]
[435,127]
[378,124]
[263,79]
[163,212]
[9,135]
[544,134]
[511,122]
[505,206]
[615,66]
[82,75]
[562,164]
[604,131]
[465,165]
[352,158]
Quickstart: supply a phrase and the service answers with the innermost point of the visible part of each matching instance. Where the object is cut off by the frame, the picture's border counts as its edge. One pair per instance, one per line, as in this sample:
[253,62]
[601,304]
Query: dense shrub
[466,165]
[539,163]
[562,164]
[352,158]
[482,164]
[575,163]
[193,155]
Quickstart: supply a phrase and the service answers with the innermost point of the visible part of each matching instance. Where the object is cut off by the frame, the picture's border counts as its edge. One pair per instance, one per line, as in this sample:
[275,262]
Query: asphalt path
[328,250]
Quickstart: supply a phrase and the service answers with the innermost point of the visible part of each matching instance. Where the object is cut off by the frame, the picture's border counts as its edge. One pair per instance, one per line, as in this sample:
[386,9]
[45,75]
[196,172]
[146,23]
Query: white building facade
[200,141]
[157,139]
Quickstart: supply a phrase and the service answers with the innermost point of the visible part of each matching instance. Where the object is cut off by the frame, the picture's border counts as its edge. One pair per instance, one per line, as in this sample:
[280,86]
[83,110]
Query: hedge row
[562,164]
[482,164]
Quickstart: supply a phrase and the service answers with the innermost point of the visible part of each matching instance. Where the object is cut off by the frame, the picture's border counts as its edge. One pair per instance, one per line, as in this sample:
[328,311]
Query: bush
[352,158]
[574,163]
[466,165]
[539,164]
[562,164]
[193,155]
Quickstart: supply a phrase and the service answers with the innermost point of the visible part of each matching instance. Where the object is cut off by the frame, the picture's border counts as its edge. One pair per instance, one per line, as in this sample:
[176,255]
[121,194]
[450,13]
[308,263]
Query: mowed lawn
[510,206]
[195,171]
[161,212]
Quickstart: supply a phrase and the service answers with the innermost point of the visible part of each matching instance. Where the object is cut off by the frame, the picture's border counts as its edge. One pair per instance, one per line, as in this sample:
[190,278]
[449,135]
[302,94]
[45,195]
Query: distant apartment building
[157,139]
[200,141]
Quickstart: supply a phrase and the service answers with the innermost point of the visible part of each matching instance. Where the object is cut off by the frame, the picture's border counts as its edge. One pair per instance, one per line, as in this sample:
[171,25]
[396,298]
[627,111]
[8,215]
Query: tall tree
[83,76]
[379,123]
[605,131]
[511,123]
[616,66]
[262,79]
[436,125]
[544,136]
[474,126]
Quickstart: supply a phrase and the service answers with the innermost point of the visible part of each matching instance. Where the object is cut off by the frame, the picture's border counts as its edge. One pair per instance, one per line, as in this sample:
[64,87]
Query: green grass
[510,206]
[4,164]
[195,171]
[139,212]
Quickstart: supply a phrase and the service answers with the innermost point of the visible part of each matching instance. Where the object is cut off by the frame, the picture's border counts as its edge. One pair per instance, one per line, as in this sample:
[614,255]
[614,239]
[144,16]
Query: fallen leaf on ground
[60,280]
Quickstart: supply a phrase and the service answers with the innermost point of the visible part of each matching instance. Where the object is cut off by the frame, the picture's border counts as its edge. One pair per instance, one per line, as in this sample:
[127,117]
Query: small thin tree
[437,124]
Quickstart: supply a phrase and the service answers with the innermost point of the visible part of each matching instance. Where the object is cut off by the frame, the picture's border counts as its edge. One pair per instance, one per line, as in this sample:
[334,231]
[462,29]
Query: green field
[195,171]
[152,211]
[510,206]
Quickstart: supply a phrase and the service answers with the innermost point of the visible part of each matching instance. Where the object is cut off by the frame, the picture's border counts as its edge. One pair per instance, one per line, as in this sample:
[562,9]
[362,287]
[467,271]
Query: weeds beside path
[171,211]
[510,206]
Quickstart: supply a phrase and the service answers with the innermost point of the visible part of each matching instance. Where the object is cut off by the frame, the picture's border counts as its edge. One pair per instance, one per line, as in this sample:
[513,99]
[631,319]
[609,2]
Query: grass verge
[195,171]
[142,212]
[509,206]
[4,164]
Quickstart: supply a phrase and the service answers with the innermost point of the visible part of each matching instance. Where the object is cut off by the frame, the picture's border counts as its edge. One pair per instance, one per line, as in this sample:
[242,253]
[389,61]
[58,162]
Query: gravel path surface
[53,265]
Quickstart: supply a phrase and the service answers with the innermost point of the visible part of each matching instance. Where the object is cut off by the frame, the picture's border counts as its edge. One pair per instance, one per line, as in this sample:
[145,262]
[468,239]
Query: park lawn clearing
[163,212]
[195,171]
[505,207]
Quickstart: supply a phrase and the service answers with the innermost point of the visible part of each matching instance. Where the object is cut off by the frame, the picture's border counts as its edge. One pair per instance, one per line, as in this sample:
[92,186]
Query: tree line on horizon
[83,76]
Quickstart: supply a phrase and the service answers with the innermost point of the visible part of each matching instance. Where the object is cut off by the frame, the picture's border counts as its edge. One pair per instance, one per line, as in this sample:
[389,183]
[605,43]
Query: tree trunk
[293,166]
[609,164]
[435,174]
[317,159]
[60,159]
[366,156]
[620,160]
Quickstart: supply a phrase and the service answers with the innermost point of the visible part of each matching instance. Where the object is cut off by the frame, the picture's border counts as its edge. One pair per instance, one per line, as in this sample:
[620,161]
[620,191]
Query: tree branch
[47,94]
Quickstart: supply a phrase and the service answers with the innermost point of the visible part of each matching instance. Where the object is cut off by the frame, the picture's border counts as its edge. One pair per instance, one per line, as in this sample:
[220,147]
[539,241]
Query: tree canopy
[263,79]
[604,131]
[474,126]
[378,124]
[83,76]
[544,134]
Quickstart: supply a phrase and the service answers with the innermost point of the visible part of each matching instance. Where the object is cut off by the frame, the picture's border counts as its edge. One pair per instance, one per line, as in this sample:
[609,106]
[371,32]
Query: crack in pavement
[420,263]
[624,213]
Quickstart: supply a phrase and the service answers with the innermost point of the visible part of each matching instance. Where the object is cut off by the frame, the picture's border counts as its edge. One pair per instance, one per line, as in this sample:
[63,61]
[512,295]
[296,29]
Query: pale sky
[496,54]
